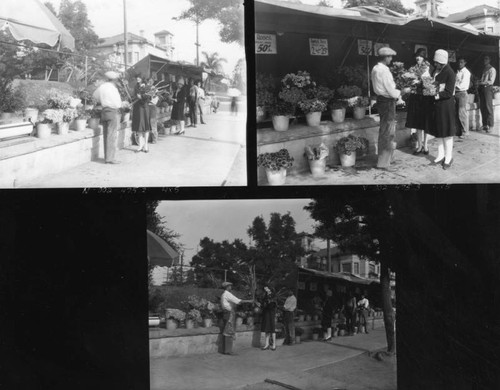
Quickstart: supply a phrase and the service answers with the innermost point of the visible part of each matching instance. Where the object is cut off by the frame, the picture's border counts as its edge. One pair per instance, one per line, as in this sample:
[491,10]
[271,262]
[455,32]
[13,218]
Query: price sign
[365,47]
[318,47]
[265,44]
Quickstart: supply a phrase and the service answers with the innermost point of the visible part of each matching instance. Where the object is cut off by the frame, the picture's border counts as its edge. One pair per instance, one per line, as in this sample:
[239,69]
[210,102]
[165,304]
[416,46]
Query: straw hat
[441,56]
[386,52]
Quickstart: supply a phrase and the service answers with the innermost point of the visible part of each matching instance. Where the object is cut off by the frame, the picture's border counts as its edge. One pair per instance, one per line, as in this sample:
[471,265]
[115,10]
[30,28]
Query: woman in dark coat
[141,123]
[179,97]
[327,316]
[420,114]
[268,325]
[445,125]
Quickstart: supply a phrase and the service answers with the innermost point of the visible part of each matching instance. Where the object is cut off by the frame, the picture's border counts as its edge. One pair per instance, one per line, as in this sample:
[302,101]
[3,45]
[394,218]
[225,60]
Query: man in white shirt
[461,86]
[387,95]
[486,94]
[288,315]
[363,305]
[229,302]
[201,96]
[108,97]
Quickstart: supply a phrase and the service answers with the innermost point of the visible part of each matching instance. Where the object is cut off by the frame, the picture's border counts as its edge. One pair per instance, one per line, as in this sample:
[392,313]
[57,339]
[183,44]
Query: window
[136,57]
[356,268]
[489,29]
[347,267]
[372,268]
[129,58]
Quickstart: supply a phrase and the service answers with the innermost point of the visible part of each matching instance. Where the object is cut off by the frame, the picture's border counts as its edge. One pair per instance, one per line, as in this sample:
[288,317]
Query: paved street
[309,365]
[210,155]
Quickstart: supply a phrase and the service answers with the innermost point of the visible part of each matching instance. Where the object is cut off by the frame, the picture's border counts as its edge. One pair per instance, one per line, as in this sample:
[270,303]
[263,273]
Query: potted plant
[193,316]
[308,317]
[359,108]
[347,148]
[298,334]
[264,89]
[275,165]
[81,119]
[316,333]
[95,118]
[281,113]
[11,100]
[301,315]
[338,108]
[250,318]
[44,128]
[316,155]
[87,99]
[240,316]
[68,115]
[313,109]
[174,317]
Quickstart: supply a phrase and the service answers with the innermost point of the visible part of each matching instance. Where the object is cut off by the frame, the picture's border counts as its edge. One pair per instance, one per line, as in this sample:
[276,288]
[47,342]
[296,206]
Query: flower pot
[94,123]
[308,317]
[31,114]
[250,321]
[313,118]
[276,178]
[207,322]
[317,167]
[63,128]
[338,115]
[154,321]
[171,324]
[281,122]
[261,114]
[43,130]
[341,332]
[315,336]
[301,318]
[297,339]
[80,124]
[189,324]
[359,112]
[348,160]
[239,321]
[355,329]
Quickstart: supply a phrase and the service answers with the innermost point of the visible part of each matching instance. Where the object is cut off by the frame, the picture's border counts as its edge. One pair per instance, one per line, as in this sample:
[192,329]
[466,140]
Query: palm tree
[212,64]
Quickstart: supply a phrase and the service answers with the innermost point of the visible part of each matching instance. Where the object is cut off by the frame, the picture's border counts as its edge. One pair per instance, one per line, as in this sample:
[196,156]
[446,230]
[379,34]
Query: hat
[111,75]
[421,53]
[181,81]
[441,56]
[225,284]
[386,51]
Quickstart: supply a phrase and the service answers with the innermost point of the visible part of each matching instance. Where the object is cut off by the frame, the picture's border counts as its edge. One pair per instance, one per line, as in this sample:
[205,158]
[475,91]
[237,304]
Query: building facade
[482,17]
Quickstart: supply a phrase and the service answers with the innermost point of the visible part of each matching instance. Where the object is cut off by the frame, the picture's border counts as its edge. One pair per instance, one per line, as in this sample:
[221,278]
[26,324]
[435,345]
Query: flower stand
[359,112]
[348,160]
[317,167]
[63,128]
[338,115]
[43,130]
[276,178]
[171,324]
[281,122]
[313,118]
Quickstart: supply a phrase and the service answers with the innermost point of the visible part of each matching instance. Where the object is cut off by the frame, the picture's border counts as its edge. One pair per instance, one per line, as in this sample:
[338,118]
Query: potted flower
[44,128]
[53,115]
[264,89]
[359,108]
[316,333]
[338,108]
[81,119]
[174,317]
[250,318]
[281,113]
[317,159]
[240,316]
[313,109]
[347,148]
[275,165]
[301,316]
[87,99]
[208,313]
[298,334]
[193,316]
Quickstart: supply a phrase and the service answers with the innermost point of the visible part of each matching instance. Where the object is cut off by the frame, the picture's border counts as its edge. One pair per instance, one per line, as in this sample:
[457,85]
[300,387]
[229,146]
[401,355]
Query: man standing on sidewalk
[461,86]
[363,311]
[486,94]
[201,96]
[387,95]
[193,103]
[108,97]
[288,315]
[229,303]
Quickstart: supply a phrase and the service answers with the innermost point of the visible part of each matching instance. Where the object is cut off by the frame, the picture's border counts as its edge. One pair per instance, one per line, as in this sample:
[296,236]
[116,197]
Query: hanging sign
[379,46]
[265,43]
[318,47]
[365,47]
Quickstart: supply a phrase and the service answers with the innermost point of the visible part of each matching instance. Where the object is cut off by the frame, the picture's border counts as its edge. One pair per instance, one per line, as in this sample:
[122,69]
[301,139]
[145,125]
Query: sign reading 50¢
[265,44]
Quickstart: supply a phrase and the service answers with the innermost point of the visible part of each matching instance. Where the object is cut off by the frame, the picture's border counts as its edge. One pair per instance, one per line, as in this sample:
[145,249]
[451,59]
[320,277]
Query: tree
[212,63]
[325,3]
[51,7]
[240,75]
[74,17]
[229,14]
[394,5]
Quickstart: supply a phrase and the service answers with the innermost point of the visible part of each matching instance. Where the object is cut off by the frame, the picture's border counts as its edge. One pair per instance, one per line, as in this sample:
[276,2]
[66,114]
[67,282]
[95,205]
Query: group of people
[186,96]
[443,115]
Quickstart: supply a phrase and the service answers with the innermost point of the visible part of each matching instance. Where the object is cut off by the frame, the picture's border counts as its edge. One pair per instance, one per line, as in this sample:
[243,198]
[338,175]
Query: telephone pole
[197,44]
[125,34]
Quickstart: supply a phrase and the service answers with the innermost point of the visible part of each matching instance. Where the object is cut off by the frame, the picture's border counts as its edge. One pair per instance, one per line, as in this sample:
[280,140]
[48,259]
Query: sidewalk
[298,365]
[209,155]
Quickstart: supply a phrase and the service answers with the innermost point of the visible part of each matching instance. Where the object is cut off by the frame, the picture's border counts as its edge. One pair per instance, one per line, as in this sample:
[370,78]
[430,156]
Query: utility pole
[329,255]
[197,44]
[125,34]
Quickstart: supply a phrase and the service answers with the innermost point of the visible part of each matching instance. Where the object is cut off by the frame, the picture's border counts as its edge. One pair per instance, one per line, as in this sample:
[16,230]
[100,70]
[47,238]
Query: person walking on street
[486,94]
[327,316]
[229,303]
[179,97]
[349,311]
[201,96]
[108,96]
[268,325]
[363,305]
[387,95]
[445,128]
[288,318]
[462,85]
[193,103]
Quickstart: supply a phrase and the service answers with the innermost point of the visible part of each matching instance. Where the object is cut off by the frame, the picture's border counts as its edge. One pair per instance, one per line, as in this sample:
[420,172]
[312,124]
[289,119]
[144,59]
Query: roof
[334,250]
[471,12]
[163,32]
[116,39]
[346,276]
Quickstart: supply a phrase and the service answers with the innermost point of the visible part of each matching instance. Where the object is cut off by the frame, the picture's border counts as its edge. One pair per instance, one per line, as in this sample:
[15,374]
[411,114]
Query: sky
[156,15]
[227,219]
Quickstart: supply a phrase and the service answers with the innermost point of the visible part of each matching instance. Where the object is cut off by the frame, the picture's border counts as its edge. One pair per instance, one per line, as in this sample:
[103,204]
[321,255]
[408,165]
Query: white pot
[239,321]
[63,128]
[313,118]
[80,124]
[43,130]
[171,324]
[359,112]
[276,178]
[348,161]
[207,322]
[154,321]
[281,122]
[317,167]
[338,115]
[189,324]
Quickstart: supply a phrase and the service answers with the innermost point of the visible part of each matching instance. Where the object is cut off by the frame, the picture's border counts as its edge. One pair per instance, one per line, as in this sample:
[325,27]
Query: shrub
[11,99]
[351,143]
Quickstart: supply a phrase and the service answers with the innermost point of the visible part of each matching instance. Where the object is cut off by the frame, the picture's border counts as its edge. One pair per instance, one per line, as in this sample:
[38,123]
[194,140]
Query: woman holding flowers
[420,107]
[179,98]
[141,122]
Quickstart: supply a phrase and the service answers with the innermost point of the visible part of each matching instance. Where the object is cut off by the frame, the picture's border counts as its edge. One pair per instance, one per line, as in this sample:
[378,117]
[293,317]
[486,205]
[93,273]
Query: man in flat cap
[108,97]
[387,95]
[229,302]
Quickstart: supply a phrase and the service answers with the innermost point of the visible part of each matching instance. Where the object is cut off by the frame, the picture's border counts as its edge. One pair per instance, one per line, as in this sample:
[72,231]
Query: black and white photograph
[377,92]
[122,93]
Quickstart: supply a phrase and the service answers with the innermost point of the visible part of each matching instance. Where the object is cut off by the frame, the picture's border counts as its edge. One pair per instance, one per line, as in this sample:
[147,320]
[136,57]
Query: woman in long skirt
[268,325]
[179,102]
[445,124]
[141,123]
[420,108]
[327,316]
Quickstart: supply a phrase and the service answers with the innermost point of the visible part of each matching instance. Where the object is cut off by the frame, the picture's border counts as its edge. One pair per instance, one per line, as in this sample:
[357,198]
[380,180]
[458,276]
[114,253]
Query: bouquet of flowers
[282,108]
[69,114]
[194,314]
[351,143]
[361,101]
[53,115]
[402,77]
[292,95]
[175,314]
[429,86]
[316,153]
[300,80]
[275,161]
[312,105]
[58,100]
